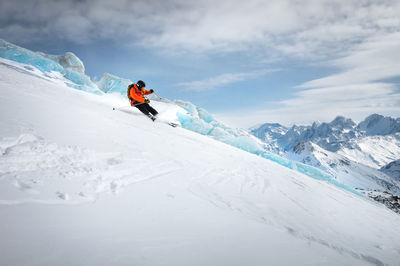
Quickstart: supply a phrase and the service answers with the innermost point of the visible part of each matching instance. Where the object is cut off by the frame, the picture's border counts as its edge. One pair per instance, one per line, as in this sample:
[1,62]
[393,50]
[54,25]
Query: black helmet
[140,84]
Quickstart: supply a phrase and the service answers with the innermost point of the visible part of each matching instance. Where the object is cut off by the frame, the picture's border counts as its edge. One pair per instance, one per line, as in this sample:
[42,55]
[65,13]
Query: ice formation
[110,83]
[68,65]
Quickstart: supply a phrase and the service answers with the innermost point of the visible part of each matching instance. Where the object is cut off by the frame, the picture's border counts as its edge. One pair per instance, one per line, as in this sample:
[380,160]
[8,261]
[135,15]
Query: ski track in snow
[36,171]
[260,212]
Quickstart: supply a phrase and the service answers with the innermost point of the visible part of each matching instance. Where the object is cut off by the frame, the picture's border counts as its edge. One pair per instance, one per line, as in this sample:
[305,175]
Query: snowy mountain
[392,169]
[81,184]
[346,171]
[269,131]
[374,151]
[379,125]
[333,136]
[351,153]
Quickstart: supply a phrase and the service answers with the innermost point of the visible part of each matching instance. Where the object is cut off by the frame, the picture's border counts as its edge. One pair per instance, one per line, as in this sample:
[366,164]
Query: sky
[246,62]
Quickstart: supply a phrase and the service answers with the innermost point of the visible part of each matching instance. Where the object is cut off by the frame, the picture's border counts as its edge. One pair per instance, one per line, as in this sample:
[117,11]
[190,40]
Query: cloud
[376,59]
[324,104]
[288,27]
[361,85]
[221,80]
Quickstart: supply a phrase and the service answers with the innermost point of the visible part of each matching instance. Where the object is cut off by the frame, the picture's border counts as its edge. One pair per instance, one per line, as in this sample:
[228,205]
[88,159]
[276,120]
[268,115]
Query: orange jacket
[136,95]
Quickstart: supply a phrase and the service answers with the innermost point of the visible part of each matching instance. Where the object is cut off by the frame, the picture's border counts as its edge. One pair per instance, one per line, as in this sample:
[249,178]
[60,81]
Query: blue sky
[247,62]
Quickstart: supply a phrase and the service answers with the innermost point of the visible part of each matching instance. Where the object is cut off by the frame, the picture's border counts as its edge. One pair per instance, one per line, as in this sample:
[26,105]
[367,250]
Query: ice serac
[68,60]
[110,84]
[18,54]
[68,65]
[199,120]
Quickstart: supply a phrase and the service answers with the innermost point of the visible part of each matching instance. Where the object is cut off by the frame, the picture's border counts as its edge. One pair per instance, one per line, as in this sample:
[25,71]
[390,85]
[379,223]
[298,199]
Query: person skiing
[136,91]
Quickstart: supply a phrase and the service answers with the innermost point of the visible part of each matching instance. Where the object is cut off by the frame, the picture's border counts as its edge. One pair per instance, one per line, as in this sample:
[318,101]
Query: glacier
[193,118]
[112,84]
[68,65]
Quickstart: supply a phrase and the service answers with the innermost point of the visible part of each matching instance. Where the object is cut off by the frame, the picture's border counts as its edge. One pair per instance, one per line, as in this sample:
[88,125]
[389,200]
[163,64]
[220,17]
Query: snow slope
[346,171]
[374,151]
[82,184]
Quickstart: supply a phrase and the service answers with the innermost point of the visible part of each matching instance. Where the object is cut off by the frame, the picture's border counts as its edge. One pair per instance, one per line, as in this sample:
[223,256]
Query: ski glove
[147,101]
[151,90]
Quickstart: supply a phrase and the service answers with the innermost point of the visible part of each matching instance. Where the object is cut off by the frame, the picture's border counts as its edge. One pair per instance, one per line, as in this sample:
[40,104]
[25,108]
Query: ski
[172,124]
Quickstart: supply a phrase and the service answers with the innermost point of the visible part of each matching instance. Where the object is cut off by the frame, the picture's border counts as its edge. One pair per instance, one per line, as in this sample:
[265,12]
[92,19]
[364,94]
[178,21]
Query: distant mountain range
[330,136]
[365,156]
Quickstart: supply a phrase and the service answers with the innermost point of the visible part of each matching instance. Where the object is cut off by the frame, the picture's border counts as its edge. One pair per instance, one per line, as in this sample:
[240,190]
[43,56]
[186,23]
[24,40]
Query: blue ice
[200,121]
[22,55]
[68,65]
[110,84]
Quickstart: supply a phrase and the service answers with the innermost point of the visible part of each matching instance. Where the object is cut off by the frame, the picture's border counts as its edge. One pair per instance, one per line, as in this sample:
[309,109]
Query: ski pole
[158,95]
[117,108]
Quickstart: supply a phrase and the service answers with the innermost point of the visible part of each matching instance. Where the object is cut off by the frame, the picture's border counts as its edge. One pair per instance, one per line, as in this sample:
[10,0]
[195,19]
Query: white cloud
[376,59]
[324,104]
[289,27]
[359,87]
[221,80]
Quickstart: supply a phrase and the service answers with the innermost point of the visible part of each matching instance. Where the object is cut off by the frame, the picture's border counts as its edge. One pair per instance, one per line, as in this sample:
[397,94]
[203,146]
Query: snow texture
[345,171]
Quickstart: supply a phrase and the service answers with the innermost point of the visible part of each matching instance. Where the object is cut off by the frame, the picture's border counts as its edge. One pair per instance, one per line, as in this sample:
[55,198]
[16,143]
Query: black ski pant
[146,109]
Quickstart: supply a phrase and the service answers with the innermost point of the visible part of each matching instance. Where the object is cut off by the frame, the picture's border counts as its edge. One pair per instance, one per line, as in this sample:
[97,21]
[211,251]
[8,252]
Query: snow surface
[374,151]
[345,171]
[82,184]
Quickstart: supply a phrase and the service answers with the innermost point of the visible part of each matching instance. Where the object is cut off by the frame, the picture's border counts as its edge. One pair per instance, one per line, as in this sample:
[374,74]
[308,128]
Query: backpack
[128,92]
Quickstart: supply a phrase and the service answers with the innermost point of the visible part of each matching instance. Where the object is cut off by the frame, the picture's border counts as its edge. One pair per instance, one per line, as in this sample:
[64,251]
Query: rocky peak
[379,125]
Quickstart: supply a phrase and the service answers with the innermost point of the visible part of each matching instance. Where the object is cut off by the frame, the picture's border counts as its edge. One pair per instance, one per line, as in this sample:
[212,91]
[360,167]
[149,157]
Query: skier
[135,95]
